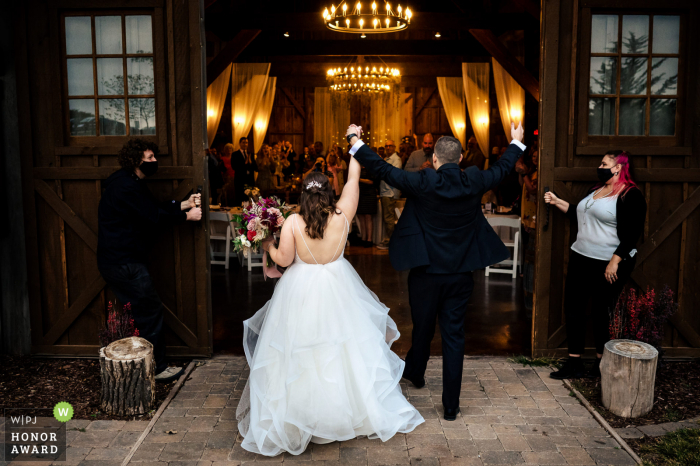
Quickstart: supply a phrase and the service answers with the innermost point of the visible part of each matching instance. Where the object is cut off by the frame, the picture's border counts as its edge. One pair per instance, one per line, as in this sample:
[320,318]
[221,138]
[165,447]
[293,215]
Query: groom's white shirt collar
[359,144]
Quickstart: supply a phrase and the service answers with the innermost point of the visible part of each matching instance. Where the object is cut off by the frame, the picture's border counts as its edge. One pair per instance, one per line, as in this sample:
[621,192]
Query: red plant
[120,324]
[642,316]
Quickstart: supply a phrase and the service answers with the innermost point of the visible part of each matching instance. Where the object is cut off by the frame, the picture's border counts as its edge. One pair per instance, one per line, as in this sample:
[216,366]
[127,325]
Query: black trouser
[131,283]
[585,281]
[441,296]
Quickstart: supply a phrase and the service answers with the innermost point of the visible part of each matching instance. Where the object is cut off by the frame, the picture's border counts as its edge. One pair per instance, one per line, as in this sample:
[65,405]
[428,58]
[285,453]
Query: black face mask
[149,168]
[604,174]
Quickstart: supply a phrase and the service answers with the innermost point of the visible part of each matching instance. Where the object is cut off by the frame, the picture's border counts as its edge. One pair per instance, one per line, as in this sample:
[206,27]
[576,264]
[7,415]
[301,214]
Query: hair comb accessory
[314,184]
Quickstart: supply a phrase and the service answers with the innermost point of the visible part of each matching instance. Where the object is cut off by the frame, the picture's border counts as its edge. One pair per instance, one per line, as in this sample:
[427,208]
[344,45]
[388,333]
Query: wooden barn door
[664,147]
[89,80]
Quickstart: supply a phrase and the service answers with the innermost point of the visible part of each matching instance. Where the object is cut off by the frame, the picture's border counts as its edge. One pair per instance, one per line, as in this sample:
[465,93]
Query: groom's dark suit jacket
[442,225]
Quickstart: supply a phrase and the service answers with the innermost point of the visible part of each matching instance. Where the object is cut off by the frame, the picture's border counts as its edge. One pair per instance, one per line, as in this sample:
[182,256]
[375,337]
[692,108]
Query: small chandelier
[361,77]
[371,20]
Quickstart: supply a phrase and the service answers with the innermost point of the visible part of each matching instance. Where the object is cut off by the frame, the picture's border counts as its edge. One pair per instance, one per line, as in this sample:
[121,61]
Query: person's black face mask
[604,174]
[149,168]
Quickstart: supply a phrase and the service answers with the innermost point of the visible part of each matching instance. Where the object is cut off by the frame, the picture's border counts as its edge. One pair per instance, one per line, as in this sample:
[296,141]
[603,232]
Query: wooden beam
[66,213]
[468,46]
[512,66]
[530,8]
[641,175]
[656,151]
[425,102]
[97,150]
[669,226]
[77,308]
[229,53]
[294,102]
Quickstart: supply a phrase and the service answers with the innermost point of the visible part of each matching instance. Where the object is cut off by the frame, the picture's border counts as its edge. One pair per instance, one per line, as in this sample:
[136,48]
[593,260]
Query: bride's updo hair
[316,204]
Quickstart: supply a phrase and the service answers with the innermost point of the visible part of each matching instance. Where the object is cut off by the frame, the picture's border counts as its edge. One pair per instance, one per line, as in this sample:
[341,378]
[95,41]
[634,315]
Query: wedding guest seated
[474,157]
[129,222]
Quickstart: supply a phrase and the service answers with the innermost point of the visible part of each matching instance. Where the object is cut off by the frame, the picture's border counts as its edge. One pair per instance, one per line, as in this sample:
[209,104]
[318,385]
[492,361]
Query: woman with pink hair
[610,221]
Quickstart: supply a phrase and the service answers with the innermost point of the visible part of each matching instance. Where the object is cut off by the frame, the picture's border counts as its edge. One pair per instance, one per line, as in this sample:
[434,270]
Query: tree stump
[628,372]
[128,377]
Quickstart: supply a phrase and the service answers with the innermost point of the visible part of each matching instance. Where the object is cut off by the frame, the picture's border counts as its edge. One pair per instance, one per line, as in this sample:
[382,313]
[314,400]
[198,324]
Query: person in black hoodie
[129,219]
[610,222]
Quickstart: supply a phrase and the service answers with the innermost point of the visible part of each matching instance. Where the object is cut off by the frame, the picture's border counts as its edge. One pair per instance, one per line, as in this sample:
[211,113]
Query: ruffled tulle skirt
[321,367]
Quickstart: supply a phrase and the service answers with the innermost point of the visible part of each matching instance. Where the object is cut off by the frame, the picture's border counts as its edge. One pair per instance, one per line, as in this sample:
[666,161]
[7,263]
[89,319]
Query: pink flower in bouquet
[254,224]
[280,221]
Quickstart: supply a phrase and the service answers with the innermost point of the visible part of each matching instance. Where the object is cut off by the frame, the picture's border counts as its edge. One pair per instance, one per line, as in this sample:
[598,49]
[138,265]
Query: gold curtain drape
[452,96]
[510,96]
[216,98]
[262,113]
[248,81]
[331,117]
[385,120]
[476,93]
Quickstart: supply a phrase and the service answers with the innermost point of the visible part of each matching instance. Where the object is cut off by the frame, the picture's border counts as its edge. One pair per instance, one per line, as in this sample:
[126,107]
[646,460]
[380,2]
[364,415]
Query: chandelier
[361,77]
[372,20]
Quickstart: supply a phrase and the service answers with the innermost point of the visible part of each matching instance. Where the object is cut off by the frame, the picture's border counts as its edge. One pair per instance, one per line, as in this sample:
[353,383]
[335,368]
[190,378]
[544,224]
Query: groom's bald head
[448,150]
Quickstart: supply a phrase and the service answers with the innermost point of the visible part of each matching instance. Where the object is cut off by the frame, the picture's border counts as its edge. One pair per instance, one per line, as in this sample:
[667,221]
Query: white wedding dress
[321,367]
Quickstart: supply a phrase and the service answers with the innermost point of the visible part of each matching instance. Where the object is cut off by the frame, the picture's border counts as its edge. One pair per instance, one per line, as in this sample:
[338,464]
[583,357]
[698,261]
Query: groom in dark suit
[442,237]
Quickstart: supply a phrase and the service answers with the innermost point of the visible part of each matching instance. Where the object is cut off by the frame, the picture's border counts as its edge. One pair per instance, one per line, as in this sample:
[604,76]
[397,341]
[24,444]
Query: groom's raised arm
[494,175]
[396,177]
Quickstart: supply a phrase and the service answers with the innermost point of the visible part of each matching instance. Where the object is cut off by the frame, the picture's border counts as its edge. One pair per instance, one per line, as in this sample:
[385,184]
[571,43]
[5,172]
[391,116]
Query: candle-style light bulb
[362,22]
[409,13]
[387,22]
[359,7]
[345,8]
[347,22]
[388,8]
[333,9]
[399,9]
[325,13]
[374,8]
[375,23]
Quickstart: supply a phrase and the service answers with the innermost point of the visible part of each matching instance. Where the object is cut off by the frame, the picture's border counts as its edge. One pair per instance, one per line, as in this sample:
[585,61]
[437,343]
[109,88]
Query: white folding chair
[513,223]
[220,230]
[252,259]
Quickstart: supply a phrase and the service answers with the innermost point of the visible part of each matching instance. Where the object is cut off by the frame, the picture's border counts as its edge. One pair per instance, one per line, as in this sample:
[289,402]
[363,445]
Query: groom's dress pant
[443,297]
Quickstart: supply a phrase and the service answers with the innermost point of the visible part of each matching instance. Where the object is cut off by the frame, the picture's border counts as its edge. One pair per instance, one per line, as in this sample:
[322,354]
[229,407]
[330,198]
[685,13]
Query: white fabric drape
[452,96]
[510,96]
[262,113]
[247,86]
[476,93]
[385,120]
[331,118]
[216,98]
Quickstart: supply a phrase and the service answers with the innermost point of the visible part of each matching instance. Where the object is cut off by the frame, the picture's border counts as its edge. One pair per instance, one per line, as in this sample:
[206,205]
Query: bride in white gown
[321,367]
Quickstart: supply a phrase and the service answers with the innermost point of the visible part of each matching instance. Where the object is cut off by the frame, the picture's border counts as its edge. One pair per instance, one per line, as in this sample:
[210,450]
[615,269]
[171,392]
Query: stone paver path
[510,415]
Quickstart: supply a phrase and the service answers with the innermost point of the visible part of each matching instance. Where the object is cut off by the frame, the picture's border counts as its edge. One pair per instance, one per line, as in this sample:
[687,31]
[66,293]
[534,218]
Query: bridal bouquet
[257,222]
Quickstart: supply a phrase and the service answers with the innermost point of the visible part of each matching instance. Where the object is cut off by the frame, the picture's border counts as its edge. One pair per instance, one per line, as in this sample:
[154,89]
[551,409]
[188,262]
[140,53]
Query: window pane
[635,33]
[662,118]
[112,121]
[632,117]
[108,34]
[82,117]
[601,116]
[603,75]
[110,76]
[79,72]
[604,34]
[78,35]
[142,116]
[664,75]
[666,30]
[140,74]
[633,76]
[139,37]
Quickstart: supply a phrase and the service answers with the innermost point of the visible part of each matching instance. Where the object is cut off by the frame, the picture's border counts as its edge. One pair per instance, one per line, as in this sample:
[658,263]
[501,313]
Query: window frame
[586,139]
[158,94]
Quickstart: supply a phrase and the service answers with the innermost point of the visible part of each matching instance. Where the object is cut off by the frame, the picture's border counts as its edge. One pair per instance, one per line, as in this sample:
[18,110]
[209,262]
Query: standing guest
[343,162]
[128,222]
[266,167]
[245,167]
[405,150]
[381,151]
[610,221]
[528,213]
[421,158]
[474,157]
[309,159]
[337,167]
[228,192]
[389,194]
[318,149]
[216,170]
[280,163]
[304,161]
[367,206]
[292,158]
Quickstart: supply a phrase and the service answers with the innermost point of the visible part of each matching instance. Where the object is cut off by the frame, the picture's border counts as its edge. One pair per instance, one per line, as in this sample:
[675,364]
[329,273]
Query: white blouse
[597,227]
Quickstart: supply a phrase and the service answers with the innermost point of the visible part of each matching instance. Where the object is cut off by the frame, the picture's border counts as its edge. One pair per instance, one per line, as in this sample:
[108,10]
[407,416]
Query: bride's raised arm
[351,191]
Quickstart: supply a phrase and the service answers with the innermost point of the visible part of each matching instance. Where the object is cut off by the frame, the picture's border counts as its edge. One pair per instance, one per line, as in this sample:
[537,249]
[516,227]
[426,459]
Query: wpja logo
[33,434]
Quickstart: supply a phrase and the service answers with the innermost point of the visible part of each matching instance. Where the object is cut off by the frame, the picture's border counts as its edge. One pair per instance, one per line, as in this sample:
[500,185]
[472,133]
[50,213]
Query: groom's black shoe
[420,383]
[451,414]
